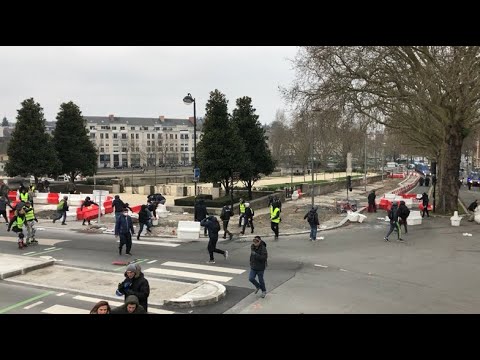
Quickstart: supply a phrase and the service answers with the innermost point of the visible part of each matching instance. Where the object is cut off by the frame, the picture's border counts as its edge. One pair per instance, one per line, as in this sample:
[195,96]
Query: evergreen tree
[220,153]
[75,150]
[258,159]
[30,150]
[5,121]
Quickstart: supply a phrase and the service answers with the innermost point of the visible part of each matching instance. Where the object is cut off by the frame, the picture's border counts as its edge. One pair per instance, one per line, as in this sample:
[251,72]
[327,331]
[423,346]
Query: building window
[153,136]
[114,128]
[137,149]
[186,136]
[148,136]
[175,136]
[124,149]
[132,127]
[101,136]
[124,136]
[181,136]
[92,127]
[159,143]
[92,136]
[171,148]
[171,136]
[136,136]
[102,150]
[159,136]
[132,136]
[148,142]
[115,136]
[106,136]
[122,127]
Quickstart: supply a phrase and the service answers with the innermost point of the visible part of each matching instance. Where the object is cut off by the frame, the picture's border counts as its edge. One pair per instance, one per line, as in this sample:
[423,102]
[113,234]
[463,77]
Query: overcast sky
[143,81]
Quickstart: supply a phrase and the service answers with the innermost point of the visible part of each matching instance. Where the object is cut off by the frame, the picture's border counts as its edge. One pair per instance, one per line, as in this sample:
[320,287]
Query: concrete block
[189,230]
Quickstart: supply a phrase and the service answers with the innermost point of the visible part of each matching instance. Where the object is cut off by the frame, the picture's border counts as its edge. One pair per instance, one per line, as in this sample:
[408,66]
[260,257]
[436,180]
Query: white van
[391,165]
[63,178]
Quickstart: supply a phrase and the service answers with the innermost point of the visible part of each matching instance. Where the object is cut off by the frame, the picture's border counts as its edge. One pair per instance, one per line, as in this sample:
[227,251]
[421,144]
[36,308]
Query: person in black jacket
[312,219]
[258,263]
[425,204]
[225,215]
[144,219]
[371,202]
[403,213]
[248,218]
[393,216]
[118,206]
[471,210]
[135,284]
[201,213]
[211,223]
[124,229]
[87,202]
[131,306]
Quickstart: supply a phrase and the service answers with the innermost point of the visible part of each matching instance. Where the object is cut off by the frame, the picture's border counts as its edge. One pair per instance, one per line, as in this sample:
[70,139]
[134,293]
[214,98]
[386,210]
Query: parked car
[474,178]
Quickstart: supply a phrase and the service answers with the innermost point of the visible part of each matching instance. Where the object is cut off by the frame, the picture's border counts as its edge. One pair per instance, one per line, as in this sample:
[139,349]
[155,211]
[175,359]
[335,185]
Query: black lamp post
[188,100]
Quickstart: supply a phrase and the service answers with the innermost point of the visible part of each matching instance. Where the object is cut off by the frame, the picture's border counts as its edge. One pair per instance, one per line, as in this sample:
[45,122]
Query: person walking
[101,307]
[62,209]
[312,219]
[213,227]
[241,211]
[425,204]
[124,230]
[88,202]
[275,218]
[372,207]
[403,213]
[135,284]
[4,201]
[144,219]
[118,206]
[248,218]
[225,215]
[30,220]
[258,263]
[393,216]
[471,210]
[201,213]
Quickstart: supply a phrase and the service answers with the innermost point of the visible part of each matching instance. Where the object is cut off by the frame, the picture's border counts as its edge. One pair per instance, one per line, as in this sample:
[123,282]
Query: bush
[221,201]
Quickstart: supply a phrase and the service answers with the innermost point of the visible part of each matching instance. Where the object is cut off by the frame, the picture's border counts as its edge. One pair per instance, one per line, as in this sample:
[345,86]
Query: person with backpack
[248,218]
[312,219]
[393,216]
[62,209]
[225,215]
[258,263]
[201,213]
[403,213]
[211,223]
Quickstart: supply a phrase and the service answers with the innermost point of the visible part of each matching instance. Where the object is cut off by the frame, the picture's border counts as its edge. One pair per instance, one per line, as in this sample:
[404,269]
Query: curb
[26,269]
[190,299]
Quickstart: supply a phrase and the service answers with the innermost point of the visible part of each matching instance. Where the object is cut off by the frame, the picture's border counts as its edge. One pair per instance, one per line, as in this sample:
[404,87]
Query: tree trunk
[447,183]
[249,187]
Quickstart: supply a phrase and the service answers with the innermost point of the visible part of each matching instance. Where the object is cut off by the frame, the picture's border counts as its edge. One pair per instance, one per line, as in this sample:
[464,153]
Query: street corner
[206,293]
[13,265]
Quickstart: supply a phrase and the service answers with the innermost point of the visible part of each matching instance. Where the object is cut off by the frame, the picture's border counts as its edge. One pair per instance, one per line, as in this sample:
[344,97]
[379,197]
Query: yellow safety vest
[242,208]
[29,214]
[273,213]
[24,197]
[19,222]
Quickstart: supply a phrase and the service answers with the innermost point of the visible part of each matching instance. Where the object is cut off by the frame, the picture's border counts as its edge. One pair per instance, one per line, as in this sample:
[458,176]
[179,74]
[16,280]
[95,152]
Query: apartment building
[133,141]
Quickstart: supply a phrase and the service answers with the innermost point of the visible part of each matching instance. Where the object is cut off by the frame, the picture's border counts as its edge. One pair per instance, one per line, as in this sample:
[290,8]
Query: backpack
[311,217]
[222,214]
[216,226]
[60,205]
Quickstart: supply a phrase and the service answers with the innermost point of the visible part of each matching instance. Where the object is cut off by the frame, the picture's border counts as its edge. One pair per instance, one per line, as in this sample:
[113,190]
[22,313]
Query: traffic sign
[196,174]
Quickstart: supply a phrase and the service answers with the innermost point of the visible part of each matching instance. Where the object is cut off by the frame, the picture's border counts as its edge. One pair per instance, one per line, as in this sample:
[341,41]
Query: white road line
[33,305]
[343,270]
[61,309]
[151,261]
[46,242]
[155,243]
[50,248]
[117,303]
[61,294]
[29,253]
[322,266]
[188,274]
[204,267]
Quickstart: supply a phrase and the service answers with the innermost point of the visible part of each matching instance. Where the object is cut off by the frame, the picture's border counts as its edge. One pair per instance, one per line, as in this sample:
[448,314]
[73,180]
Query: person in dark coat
[4,201]
[403,213]
[118,206]
[131,306]
[124,230]
[225,215]
[211,223]
[144,219]
[425,204]
[258,263]
[135,284]
[201,213]
[421,181]
[88,202]
[248,218]
[471,210]
[312,219]
[372,207]
[394,225]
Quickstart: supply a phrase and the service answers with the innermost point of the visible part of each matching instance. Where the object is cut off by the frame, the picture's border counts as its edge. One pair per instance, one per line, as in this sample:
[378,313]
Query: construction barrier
[53,198]
[12,195]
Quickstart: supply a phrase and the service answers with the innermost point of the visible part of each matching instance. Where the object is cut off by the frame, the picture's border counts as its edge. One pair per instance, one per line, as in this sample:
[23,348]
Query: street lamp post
[189,100]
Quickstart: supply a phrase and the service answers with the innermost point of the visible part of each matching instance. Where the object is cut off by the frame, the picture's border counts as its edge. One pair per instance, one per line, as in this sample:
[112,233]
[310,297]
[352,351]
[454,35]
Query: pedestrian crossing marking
[62,309]
[204,267]
[188,274]
[33,305]
[155,243]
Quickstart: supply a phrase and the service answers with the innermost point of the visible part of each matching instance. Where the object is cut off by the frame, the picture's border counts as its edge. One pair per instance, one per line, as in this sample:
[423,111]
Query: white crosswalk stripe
[195,275]
[154,243]
[62,309]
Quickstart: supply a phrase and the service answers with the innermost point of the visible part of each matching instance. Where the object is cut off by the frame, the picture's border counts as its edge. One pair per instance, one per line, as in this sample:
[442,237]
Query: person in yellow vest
[24,197]
[30,220]
[16,224]
[31,193]
[275,218]
[241,211]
